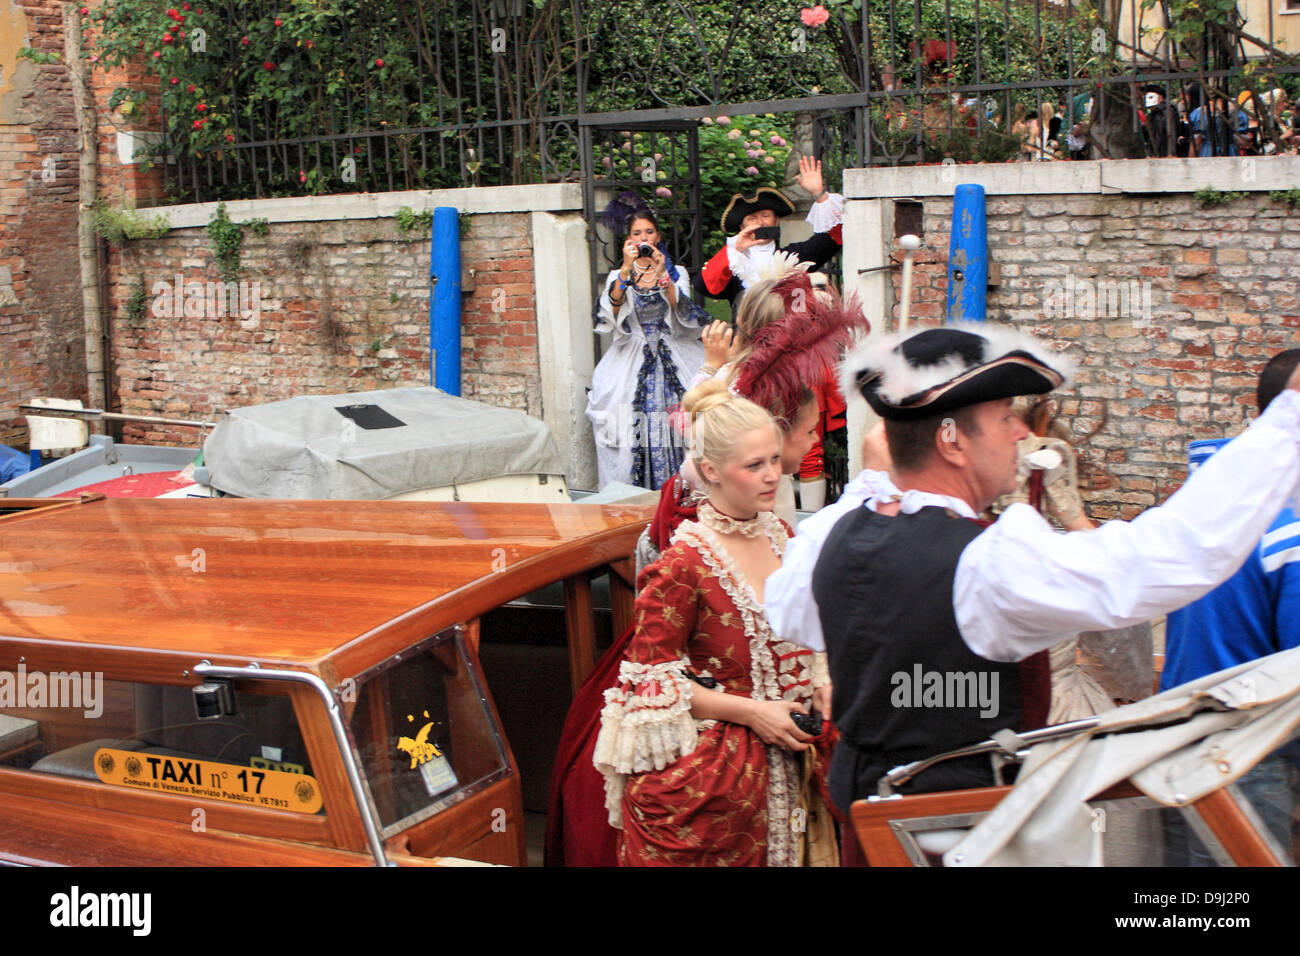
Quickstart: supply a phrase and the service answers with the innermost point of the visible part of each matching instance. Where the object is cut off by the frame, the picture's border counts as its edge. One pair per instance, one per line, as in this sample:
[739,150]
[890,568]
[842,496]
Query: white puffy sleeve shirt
[1021,587]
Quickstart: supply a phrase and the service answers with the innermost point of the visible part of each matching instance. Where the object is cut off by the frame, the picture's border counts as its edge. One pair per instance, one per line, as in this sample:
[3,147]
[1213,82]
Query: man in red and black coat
[743,260]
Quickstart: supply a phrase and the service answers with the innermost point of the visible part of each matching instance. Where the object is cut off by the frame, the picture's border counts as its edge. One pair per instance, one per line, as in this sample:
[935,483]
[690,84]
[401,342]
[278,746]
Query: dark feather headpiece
[799,350]
[618,214]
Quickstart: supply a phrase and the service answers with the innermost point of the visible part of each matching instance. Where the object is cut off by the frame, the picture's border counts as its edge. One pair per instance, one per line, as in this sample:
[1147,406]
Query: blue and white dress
[655,350]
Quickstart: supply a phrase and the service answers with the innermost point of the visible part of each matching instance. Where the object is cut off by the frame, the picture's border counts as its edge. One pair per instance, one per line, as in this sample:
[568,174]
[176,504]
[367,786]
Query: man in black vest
[925,612]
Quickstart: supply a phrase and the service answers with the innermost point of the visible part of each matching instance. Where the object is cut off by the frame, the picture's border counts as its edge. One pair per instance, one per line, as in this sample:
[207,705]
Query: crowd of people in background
[1190,124]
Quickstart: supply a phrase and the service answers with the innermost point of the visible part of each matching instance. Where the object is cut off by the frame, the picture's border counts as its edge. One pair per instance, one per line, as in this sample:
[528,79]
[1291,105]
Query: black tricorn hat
[741,206]
[1153,88]
[932,371]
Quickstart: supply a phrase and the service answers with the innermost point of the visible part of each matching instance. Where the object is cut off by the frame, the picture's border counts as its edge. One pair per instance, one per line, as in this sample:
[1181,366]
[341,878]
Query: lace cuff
[825,216]
[646,724]
[821,672]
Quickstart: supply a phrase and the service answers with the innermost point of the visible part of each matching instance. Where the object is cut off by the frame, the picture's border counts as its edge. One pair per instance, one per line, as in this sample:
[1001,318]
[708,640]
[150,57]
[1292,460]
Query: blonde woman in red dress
[702,760]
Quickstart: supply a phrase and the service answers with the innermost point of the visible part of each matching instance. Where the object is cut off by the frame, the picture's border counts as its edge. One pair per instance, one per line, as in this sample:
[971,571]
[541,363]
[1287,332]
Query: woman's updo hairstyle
[719,419]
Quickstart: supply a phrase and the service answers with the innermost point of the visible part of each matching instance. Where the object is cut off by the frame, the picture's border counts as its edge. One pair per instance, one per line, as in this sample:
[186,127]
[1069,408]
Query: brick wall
[343,308]
[1223,287]
[41,345]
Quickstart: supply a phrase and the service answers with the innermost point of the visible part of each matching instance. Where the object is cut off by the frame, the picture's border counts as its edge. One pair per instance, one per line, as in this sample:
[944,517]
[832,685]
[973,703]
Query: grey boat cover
[1178,746]
[373,445]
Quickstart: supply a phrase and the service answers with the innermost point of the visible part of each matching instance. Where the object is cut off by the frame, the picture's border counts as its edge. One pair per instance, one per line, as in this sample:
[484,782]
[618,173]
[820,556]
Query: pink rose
[751,154]
[777,140]
[663,192]
[724,120]
[751,171]
[734,134]
[707,121]
[814,17]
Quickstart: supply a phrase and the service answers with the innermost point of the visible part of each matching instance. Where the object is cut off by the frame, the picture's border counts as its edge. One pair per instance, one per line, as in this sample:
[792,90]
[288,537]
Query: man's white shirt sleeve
[1021,587]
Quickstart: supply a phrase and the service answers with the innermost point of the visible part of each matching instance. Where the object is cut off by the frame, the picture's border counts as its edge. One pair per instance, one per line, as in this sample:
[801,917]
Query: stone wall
[1171,308]
[42,351]
[338,306]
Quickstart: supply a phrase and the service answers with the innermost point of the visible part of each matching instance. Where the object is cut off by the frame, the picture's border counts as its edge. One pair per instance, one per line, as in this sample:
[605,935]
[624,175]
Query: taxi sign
[251,786]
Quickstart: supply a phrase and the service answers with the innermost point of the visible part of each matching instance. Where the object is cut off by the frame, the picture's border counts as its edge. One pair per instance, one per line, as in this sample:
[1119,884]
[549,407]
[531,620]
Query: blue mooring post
[444,300]
[968,256]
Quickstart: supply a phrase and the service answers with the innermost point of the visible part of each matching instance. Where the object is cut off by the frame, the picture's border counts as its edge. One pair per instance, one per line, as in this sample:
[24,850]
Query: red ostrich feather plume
[801,349]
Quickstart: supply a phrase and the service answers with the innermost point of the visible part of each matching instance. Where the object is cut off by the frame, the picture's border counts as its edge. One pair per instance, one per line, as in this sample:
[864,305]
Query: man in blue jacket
[1255,612]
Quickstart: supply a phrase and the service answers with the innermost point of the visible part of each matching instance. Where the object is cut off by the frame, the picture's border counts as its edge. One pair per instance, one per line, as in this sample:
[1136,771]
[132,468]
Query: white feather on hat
[900,379]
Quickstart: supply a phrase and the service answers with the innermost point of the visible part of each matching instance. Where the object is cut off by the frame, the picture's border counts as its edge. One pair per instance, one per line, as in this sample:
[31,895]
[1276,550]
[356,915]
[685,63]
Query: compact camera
[644,251]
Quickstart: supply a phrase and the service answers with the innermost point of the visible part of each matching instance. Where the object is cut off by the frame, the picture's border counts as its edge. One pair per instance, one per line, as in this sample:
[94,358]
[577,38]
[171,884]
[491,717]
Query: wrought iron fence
[401,94]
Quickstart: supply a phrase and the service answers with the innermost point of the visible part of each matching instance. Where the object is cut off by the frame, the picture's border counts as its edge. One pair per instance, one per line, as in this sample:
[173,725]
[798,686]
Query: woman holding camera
[707,743]
[646,305]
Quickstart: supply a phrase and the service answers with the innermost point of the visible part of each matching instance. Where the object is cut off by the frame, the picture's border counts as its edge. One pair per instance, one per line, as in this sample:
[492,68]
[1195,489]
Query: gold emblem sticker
[250,786]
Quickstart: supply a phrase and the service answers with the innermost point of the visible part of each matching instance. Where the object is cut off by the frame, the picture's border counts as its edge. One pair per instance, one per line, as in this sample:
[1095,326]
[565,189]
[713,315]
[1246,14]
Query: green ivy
[38,56]
[119,225]
[136,303]
[1289,196]
[410,222]
[1209,196]
[227,239]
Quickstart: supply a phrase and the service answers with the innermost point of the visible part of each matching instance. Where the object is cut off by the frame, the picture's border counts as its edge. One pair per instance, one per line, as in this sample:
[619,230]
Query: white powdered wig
[901,379]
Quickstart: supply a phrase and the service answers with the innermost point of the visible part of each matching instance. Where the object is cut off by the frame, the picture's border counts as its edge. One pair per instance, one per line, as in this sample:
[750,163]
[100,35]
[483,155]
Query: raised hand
[810,176]
[717,340]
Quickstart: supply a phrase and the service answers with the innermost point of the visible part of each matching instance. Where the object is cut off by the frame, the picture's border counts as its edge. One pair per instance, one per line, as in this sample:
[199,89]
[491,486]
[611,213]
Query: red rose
[185,6]
[279,22]
[175,81]
[85,11]
[198,124]
[230,137]
[172,13]
[190,88]
[379,63]
[309,44]
[201,107]
[167,38]
[244,41]
[268,65]
[157,54]
[302,176]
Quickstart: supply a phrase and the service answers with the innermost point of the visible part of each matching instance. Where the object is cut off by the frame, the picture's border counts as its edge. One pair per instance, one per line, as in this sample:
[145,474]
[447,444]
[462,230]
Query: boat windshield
[424,732]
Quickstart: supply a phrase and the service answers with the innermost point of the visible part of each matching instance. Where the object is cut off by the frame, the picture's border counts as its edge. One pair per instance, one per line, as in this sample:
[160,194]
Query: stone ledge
[550,197]
[1067,177]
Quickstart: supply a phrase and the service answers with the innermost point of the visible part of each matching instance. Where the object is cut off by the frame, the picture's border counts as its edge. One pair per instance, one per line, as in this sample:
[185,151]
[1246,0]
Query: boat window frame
[457,634]
[243,819]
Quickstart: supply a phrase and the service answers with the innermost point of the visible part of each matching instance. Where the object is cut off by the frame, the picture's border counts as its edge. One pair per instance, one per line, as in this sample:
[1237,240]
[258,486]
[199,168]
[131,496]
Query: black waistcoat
[906,686]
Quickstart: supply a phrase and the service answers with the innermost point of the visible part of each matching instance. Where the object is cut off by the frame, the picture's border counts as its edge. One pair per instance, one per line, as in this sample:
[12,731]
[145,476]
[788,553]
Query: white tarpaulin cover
[1235,718]
[307,448]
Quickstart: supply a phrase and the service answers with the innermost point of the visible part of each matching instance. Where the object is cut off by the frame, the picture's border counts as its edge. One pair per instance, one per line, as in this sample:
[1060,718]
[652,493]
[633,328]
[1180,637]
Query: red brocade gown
[688,792]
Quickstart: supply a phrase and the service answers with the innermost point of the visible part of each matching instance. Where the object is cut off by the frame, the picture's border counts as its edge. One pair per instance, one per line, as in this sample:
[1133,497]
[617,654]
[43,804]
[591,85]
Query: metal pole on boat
[444,300]
[98,414]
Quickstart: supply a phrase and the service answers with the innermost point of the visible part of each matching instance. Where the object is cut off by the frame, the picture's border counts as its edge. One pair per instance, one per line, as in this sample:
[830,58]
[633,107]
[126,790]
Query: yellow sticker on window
[250,786]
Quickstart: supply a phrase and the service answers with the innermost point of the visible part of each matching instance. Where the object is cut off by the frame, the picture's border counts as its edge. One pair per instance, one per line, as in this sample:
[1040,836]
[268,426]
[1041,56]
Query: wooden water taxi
[293,682]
